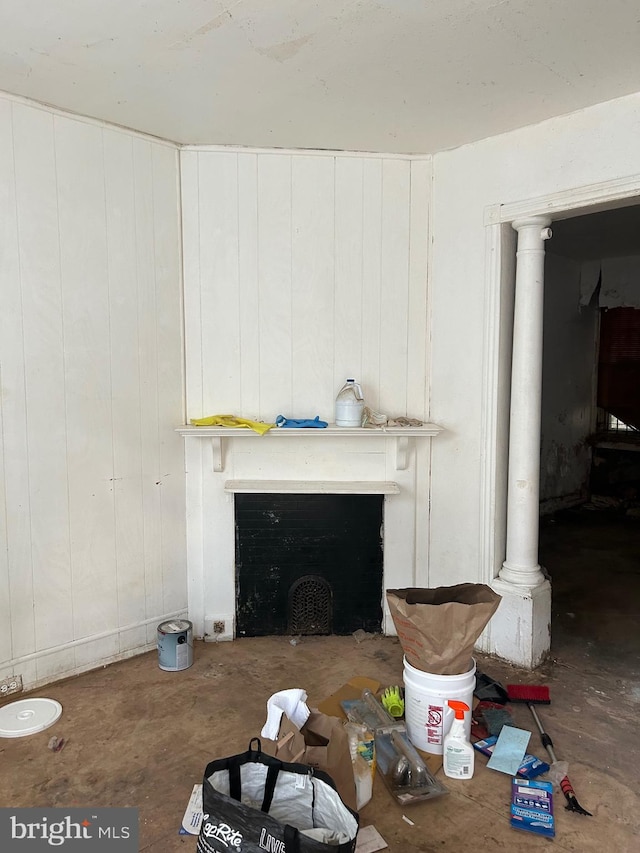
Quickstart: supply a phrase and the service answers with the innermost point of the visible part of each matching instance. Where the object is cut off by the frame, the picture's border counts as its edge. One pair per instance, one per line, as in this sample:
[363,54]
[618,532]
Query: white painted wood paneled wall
[302,269]
[91,361]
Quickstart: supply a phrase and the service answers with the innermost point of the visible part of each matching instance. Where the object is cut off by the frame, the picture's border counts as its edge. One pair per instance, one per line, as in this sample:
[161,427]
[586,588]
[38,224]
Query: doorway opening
[590,441]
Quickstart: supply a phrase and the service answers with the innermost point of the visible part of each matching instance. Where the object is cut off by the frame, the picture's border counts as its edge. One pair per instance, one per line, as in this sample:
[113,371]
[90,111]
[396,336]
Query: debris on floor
[294,733]
[359,636]
[321,665]
[393,702]
[530,768]
[509,751]
[192,820]
[532,807]
[369,840]
[56,744]
[401,733]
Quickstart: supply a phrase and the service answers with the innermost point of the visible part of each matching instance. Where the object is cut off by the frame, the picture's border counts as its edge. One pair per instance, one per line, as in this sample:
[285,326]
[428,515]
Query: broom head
[531,694]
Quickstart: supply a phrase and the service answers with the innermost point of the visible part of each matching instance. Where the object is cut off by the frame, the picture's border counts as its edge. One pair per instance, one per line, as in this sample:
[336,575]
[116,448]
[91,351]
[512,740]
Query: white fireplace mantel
[389,461]
[400,436]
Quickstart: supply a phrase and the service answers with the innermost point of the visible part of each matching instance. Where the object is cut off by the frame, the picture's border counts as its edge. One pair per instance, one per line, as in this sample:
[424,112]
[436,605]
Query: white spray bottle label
[458,755]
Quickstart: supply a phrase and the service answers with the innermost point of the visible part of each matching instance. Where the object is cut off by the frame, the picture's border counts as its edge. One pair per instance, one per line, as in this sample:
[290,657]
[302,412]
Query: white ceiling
[407,76]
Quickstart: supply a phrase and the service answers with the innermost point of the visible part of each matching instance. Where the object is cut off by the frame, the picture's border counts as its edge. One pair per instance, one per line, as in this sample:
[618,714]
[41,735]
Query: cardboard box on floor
[353,690]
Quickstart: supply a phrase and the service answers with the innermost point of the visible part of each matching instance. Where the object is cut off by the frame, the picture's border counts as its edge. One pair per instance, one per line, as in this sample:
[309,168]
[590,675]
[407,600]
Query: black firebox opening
[308,564]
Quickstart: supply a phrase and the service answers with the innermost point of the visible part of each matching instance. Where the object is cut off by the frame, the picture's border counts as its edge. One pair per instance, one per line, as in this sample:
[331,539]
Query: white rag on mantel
[290,702]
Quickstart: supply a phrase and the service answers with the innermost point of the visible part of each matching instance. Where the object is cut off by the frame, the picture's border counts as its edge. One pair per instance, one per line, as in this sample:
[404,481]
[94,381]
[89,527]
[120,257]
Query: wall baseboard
[98,650]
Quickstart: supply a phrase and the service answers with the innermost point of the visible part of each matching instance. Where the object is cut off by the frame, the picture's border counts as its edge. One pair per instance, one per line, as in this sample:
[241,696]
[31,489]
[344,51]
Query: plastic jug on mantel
[350,405]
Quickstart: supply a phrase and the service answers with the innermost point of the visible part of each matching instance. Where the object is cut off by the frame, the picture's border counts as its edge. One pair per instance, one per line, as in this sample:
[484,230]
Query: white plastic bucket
[427,715]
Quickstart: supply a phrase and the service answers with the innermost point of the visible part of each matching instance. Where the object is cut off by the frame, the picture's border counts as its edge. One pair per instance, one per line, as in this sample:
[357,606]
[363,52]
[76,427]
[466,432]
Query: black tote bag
[253,802]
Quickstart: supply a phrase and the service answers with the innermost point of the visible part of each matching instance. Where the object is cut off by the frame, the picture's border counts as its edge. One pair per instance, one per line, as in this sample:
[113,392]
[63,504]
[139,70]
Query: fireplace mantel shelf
[313,487]
[400,435]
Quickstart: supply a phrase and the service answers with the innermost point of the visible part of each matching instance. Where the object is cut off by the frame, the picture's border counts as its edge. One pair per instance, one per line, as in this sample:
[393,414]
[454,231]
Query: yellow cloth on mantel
[232,422]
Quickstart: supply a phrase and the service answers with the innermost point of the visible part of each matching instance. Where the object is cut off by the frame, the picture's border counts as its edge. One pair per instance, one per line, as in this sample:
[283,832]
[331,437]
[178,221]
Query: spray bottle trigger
[459,708]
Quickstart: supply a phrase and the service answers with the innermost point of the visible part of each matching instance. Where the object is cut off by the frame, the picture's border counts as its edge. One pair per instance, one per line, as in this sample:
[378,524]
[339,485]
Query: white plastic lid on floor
[28,716]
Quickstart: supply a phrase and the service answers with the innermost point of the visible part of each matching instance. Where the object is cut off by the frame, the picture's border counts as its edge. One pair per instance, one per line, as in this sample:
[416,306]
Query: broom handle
[544,737]
[565,785]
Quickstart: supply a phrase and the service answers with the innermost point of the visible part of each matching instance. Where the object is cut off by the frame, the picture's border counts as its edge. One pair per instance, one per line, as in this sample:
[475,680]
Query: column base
[520,629]
[520,576]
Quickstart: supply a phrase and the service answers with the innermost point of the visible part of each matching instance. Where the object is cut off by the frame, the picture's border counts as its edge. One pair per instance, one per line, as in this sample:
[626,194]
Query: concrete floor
[138,736]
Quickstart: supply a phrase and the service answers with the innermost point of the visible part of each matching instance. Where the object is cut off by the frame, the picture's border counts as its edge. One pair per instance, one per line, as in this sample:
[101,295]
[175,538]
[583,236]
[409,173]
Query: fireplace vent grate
[310,606]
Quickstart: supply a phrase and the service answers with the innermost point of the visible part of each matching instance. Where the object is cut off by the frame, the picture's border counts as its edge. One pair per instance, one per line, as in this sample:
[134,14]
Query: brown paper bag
[322,743]
[437,628]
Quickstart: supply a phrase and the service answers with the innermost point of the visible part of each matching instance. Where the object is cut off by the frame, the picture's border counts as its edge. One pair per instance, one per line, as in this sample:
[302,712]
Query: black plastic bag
[489,690]
[253,802]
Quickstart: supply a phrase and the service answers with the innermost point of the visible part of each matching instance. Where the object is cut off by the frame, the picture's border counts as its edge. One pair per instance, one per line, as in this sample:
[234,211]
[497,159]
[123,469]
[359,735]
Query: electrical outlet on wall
[218,627]
[10,684]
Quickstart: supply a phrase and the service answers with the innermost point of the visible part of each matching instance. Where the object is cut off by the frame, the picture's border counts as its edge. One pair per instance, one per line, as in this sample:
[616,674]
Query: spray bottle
[458,755]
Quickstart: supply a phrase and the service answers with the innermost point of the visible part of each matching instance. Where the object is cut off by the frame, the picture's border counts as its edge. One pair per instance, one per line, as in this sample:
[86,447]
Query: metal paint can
[175,645]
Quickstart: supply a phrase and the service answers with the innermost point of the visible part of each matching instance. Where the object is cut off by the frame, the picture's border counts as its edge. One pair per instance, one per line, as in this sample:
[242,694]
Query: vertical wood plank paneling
[422,509]
[51,664]
[248,283]
[372,283]
[5,585]
[86,654]
[219,283]
[190,198]
[90,365]
[196,455]
[328,229]
[312,285]
[15,557]
[170,372]
[125,375]
[417,368]
[85,305]
[274,270]
[149,391]
[394,304]
[47,440]
[349,261]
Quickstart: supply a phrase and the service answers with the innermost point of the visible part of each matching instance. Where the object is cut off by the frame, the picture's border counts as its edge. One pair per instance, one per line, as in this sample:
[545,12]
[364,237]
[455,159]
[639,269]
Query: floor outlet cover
[28,716]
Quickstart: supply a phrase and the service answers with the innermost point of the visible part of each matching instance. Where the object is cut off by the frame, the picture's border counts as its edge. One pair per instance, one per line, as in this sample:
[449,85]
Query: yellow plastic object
[392,701]
[233,422]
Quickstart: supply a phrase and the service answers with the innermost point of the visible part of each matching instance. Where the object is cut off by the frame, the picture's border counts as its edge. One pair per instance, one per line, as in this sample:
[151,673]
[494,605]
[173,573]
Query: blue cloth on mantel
[292,423]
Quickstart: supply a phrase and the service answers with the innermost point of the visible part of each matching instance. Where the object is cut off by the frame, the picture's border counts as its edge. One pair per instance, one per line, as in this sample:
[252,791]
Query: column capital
[532,233]
[532,222]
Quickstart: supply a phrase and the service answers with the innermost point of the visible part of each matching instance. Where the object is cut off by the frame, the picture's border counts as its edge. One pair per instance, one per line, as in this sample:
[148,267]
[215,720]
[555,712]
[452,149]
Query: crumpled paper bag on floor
[323,744]
[438,628]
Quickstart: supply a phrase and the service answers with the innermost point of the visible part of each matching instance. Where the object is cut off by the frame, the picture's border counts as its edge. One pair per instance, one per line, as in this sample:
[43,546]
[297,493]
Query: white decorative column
[521,627]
